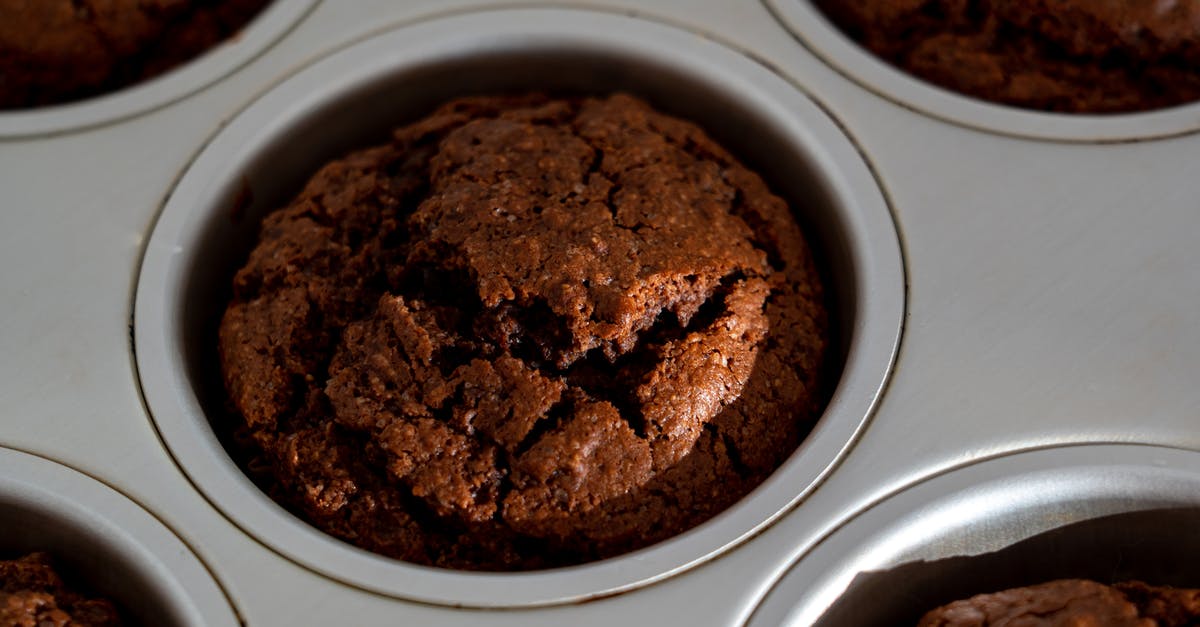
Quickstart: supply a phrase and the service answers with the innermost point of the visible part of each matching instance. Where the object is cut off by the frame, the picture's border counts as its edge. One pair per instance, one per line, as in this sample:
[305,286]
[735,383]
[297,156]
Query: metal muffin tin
[360,93]
[104,544]
[1005,281]
[1104,512]
[823,38]
[268,27]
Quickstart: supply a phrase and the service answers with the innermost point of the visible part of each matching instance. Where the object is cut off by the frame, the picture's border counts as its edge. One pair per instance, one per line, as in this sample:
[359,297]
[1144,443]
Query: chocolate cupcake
[528,332]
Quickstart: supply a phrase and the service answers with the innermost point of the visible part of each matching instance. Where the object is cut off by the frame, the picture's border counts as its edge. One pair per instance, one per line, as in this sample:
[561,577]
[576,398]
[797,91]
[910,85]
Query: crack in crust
[533,312]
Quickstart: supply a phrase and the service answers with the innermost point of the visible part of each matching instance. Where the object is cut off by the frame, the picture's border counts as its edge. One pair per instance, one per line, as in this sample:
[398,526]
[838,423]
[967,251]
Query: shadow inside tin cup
[89,562]
[176,79]
[844,53]
[1158,547]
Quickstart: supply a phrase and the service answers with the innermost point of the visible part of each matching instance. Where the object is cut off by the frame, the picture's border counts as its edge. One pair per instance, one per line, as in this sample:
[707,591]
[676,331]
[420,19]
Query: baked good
[1082,56]
[32,594]
[1074,603]
[56,51]
[527,332]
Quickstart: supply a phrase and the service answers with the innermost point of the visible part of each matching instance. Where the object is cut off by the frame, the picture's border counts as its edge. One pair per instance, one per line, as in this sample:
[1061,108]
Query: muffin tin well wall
[104,545]
[1158,545]
[1108,513]
[353,98]
[225,57]
[820,35]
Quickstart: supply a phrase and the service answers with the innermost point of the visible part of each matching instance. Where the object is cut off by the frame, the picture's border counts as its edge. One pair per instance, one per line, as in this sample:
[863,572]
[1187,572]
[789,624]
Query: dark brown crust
[526,333]
[1074,602]
[56,51]
[33,595]
[1083,56]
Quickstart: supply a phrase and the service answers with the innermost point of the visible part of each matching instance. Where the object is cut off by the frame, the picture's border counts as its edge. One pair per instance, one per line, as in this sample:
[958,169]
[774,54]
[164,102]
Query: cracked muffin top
[56,51]
[528,332]
[1080,56]
[32,594]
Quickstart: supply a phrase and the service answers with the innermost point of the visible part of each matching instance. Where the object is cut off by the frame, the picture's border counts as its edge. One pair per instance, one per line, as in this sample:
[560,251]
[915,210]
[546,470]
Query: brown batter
[55,51]
[1084,56]
[525,333]
[33,595]
[1073,603]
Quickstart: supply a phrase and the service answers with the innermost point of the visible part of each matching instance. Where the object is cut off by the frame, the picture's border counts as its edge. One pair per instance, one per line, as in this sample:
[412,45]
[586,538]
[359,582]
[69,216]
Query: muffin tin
[1103,512]
[276,20]
[266,152]
[105,544]
[1008,285]
[823,37]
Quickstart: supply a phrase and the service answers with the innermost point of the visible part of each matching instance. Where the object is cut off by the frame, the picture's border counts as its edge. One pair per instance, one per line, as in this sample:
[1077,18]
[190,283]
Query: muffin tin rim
[868,538]
[79,499]
[224,58]
[811,29]
[175,419]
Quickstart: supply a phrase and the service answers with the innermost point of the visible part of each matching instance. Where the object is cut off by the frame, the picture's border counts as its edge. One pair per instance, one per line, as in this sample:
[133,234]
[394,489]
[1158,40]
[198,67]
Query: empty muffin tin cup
[223,58]
[1104,512]
[809,24]
[353,98]
[105,545]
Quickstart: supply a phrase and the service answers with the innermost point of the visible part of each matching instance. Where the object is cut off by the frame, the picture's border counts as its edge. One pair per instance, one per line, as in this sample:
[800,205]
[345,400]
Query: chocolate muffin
[1081,56]
[32,594]
[56,51]
[527,332]
[1074,603]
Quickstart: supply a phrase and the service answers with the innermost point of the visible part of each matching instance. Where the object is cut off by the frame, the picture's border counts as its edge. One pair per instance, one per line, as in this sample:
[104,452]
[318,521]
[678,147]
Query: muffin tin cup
[105,545]
[225,57]
[824,39]
[1104,512]
[353,98]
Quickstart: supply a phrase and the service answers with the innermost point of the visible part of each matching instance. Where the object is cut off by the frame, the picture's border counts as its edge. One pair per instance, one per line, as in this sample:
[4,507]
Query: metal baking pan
[1108,513]
[105,543]
[1004,281]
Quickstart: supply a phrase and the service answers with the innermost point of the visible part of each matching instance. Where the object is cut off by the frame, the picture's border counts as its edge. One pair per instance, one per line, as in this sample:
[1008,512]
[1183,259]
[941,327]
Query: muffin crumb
[32,594]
